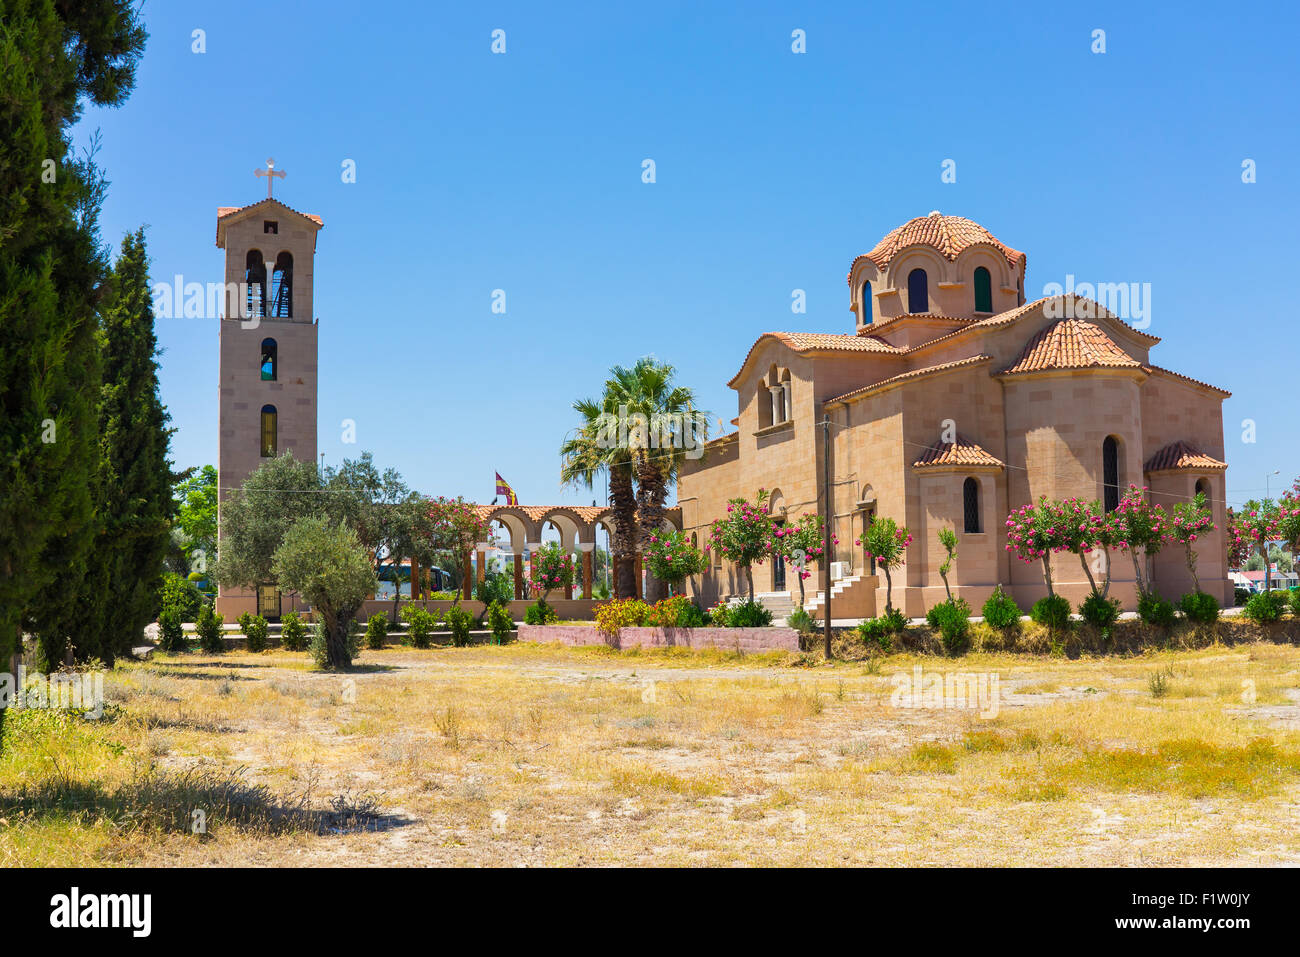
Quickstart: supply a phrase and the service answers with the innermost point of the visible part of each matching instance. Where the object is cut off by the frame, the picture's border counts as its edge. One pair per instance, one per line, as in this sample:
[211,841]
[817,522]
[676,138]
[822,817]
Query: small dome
[947,235]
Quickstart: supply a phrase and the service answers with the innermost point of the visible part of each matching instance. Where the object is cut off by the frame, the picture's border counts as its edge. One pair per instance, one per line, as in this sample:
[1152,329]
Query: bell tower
[267,352]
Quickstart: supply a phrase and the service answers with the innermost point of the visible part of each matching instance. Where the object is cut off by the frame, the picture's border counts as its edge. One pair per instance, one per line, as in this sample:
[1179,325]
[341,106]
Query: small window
[983,290]
[868,316]
[270,439]
[270,226]
[1203,488]
[970,497]
[1110,472]
[270,357]
[918,291]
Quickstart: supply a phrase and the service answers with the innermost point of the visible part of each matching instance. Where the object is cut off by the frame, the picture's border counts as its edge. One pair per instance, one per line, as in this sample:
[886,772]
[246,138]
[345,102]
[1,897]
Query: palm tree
[587,453]
[647,389]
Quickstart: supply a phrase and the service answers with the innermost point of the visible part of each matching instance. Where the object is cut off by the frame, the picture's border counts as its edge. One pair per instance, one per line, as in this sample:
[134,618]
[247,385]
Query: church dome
[947,235]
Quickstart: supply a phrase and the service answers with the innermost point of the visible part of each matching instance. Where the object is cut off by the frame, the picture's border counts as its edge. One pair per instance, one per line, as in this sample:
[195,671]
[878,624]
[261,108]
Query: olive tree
[327,564]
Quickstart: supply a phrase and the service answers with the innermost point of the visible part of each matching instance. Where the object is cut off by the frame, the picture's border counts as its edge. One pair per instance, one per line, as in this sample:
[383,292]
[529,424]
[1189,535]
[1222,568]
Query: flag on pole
[503,488]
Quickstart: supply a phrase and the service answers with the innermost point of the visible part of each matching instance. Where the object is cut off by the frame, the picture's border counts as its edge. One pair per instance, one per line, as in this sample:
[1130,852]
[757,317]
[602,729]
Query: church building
[951,402]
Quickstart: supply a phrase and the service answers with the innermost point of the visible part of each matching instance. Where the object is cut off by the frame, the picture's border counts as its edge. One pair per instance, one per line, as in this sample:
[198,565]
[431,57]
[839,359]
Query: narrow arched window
[1110,472]
[918,291]
[868,316]
[270,438]
[270,361]
[255,281]
[1203,488]
[282,287]
[983,290]
[970,500]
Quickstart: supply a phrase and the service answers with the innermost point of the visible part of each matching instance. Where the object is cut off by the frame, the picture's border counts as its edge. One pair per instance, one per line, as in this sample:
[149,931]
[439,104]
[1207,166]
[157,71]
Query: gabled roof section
[813,342]
[957,454]
[1071,344]
[947,235]
[233,214]
[904,376]
[1181,456]
[1186,378]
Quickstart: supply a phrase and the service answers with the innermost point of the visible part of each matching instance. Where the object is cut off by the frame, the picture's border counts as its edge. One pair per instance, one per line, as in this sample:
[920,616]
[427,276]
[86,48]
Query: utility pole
[827,554]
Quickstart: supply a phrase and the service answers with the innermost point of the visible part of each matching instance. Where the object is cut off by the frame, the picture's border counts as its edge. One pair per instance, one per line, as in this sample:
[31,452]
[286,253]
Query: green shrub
[1001,610]
[1052,611]
[208,627]
[255,629]
[612,616]
[952,619]
[1155,611]
[719,615]
[1098,611]
[749,614]
[501,623]
[420,625]
[880,631]
[1265,607]
[376,631]
[1199,607]
[293,633]
[540,613]
[675,612]
[171,636]
[1294,598]
[1240,596]
[801,622]
[181,596]
[459,621]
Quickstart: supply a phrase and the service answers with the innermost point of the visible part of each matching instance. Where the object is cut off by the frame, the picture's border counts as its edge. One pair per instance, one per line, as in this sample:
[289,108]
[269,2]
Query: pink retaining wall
[729,639]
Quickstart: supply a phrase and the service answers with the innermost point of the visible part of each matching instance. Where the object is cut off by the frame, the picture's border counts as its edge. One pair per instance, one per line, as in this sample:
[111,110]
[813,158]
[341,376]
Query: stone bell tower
[267,364]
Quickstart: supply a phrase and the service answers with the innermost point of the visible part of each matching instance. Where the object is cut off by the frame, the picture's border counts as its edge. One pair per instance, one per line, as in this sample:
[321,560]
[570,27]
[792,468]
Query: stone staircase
[779,603]
[851,597]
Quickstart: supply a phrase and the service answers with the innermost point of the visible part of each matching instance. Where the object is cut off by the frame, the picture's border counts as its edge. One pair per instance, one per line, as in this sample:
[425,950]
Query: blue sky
[522,172]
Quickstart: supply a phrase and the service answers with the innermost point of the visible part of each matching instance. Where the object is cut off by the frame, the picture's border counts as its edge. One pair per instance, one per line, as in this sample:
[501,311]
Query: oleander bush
[501,623]
[459,621]
[540,613]
[1099,611]
[420,625]
[376,631]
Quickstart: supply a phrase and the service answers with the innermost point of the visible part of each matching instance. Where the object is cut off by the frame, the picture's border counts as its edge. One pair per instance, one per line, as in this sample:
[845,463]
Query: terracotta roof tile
[1181,455]
[821,342]
[948,235]
[960,452]
[1071,344]
[913,374]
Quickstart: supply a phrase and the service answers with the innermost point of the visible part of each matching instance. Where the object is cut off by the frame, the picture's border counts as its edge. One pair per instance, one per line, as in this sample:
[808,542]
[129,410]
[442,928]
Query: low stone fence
[728,639]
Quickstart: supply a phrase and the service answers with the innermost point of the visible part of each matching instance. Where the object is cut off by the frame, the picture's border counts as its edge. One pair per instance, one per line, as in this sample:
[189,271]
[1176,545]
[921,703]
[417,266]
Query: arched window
[970,500]
[255,279]
[270,361]
[983,290]
[1110,472]
[868,309]
[1203,488]
[282,287]
[918,291]
[270,439]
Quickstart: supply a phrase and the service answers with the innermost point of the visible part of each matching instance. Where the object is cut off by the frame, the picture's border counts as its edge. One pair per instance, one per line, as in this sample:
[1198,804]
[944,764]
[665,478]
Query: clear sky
[523,172]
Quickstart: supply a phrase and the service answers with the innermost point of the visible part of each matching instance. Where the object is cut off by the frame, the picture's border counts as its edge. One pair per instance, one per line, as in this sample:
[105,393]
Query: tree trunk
[944,575]
[623,545]
[652,490]
[336,624]
[397,587]
[1105,585]
[889,590]
[1137,572]
[749,578]
[799,574]
[1047,575]
[1083,560]
[1196,582]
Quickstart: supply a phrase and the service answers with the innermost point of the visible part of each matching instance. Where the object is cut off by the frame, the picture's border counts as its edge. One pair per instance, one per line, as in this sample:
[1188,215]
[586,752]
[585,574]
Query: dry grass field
[539,755]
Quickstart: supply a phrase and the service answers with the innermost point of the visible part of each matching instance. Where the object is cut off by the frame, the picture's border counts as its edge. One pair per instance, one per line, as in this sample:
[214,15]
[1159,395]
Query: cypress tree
[52,56]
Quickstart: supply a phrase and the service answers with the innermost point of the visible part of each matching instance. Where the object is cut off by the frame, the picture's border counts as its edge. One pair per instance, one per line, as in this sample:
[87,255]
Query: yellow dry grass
[541,755]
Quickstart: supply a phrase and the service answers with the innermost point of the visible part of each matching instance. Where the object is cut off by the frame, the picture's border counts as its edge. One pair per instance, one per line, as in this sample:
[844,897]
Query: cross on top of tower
[270,173]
